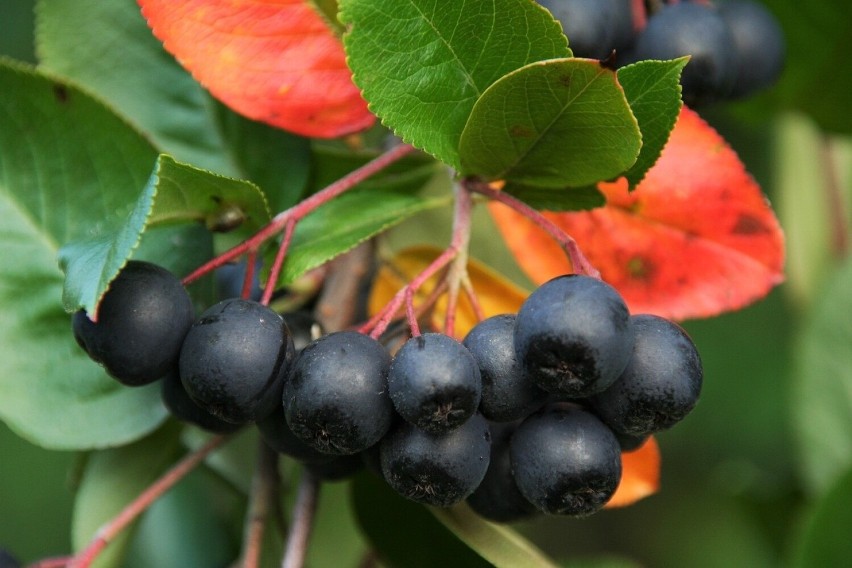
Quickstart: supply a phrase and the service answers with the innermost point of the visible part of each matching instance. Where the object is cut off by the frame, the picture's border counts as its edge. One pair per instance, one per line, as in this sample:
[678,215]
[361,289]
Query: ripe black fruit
[698,30]
[142,320]
[660,385]
[234,360]
[278,436]
[498,498]
[337,468]
[594,27]
[573,336]
[434,382]
[336,397]
[565,461]
[436,469]
[185,409]
[758,42]
[507,393]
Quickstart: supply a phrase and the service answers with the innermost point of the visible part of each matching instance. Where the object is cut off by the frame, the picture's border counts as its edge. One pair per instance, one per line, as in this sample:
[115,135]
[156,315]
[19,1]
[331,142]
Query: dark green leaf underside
[560,199]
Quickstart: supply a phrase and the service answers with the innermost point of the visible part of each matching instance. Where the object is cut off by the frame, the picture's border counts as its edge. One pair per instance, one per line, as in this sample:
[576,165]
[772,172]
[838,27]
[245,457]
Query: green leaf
[107,46]
[111,480]
[652,89]
[500,545]
[349,220]
[403,533]
[175,193]
[559,199]
[422,64]
[65,161]
[825,540]
[557,123]
[822,389]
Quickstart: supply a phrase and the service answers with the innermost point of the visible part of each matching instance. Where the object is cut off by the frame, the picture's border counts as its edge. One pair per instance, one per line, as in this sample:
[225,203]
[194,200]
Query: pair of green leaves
[491,89]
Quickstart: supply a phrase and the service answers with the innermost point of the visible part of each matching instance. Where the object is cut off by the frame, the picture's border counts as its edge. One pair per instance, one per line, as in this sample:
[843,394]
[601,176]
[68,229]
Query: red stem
[289,228]
[302,209]
[579,263]
[129,514]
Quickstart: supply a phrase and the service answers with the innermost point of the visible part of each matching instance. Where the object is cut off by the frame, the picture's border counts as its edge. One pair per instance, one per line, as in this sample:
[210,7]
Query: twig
[129,514]
[579,263]
[301,210]
[263,497]
[303,517]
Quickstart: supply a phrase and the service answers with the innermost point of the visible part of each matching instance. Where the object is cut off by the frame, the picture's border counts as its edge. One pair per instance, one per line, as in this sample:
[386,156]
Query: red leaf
[694,239]
[640,475]
[276,61]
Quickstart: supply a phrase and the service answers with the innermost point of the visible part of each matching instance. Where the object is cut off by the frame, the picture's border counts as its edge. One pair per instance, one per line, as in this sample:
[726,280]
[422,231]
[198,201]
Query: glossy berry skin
[336,397]
[758,42]
[142,320]
[234,360]
[436,469]
[434,383]
[183,408]
[498,498]
[507,393]
[565,461]
[594,27]
[573,336]
[660,385]
[698,30]
[278,436]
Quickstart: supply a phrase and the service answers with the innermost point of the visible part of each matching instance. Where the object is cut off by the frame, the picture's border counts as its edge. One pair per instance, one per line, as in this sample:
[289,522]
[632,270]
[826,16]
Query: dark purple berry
[660,385]
[758,42]
[498,498]
[565,461]
[336,397]
[278,436]
[573,336]
[434,382]
[185,409]
[697,30]
[234,360]
[594,27]
[142,320]
[436,469]
[507,393]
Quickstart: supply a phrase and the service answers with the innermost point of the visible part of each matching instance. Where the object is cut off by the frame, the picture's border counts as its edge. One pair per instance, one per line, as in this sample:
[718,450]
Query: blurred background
[760,474]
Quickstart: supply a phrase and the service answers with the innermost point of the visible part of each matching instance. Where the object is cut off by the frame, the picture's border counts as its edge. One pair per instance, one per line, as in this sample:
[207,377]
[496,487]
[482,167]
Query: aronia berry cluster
[530,413]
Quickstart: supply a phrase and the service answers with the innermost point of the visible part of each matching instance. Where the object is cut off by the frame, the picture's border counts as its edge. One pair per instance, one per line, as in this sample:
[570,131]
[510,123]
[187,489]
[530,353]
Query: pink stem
[251,261]
[289,228]
[302,209]
[136,507]
[473,299]
[303,521]
[579,263]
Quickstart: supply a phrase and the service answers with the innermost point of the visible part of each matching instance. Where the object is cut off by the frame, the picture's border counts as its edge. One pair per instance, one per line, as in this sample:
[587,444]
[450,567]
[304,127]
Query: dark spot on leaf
[564,80]
[749,225]
[520,131]
[641,268]
[61,93]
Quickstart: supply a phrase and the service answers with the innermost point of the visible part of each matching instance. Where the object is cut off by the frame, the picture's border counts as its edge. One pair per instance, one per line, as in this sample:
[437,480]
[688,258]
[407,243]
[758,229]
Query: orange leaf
[640,476]
[694,239]
[496,294]
[276,61]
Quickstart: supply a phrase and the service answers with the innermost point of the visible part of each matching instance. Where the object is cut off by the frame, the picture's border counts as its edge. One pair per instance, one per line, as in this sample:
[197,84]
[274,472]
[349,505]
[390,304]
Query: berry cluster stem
[129,514]
[579,262]
[405,296]
[290,217]
[303,517]
[263,497]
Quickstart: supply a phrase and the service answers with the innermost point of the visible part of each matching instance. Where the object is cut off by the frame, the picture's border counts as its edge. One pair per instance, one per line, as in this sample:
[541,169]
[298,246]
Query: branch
[129,514]
[264,494]
[303,520]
